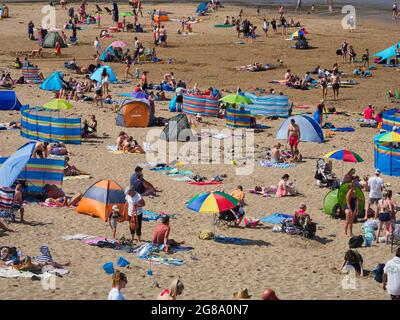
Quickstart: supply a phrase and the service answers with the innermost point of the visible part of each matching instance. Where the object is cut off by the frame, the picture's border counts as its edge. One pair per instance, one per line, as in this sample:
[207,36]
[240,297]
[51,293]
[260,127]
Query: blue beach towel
[161,168]
[267,164]
[150,216]
[239,241]
[275,218]
[344,129]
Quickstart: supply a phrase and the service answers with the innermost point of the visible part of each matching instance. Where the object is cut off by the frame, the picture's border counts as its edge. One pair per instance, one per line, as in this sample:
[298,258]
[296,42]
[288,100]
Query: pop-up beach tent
[177,129]
[203,7]
[53,82]
[35,172]
[51,38]
[135,113]
[310,130]
[97,74]
[99,199]
[387,53]
[160,16]
[9,101]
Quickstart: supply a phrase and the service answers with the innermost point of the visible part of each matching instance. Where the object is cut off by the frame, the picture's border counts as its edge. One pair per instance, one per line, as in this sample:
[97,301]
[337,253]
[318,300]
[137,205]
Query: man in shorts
[391,276]
[375,185]
[293,136]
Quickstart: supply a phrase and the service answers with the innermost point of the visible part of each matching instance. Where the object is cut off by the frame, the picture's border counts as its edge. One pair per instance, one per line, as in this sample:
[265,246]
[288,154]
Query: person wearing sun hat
[113,218]
[242,294]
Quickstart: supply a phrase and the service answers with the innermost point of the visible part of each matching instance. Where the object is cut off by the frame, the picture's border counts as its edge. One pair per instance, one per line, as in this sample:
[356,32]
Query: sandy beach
[296,268]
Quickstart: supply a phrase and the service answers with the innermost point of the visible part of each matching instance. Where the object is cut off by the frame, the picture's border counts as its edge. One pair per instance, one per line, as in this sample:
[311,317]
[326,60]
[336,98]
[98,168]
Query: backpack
[310,230]
[378,271]
[356,241]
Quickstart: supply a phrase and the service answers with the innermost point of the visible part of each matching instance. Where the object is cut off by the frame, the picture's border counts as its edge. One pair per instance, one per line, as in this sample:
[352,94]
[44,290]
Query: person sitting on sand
[353,261]
[226,21]
[40,150]
[70,170]
[92,124]
[145,188]
[45,259]
[130,145]
[161,234]
[57,148]
[301,218]
[349,176]
[285,187]
[239,195]
[122,137]
[276,156]
[175,289]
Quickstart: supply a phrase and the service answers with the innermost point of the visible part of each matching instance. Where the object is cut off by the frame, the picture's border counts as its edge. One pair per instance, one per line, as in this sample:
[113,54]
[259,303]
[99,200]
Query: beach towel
[165,261]
[175,248]
[78,236]
[203,183]
[344,129]
[229,240]
[4,127]
[223,25]
[185,179]
[178,173]
[275,218]
[80,177]
[94,241]
[267,164]
[150,216]
[161,168]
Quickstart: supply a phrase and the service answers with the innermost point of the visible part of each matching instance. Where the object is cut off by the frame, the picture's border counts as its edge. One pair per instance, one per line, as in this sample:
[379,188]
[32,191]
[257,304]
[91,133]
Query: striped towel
[267,164]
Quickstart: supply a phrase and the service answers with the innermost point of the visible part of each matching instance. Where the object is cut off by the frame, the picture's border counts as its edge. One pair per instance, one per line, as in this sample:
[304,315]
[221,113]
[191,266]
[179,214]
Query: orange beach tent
[160,16]
[98,200]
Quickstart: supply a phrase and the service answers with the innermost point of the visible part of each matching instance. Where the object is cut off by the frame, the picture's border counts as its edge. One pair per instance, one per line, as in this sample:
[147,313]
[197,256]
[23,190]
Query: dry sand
[296,268]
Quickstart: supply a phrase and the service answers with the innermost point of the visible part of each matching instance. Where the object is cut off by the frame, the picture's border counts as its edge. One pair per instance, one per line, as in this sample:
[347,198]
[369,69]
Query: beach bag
[339,52]
[310,230]
[133,224]
[206,235]
[378,271]
[356,242]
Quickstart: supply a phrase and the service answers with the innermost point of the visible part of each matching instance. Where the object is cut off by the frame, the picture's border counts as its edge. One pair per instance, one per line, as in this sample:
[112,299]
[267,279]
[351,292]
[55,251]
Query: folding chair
[7,208]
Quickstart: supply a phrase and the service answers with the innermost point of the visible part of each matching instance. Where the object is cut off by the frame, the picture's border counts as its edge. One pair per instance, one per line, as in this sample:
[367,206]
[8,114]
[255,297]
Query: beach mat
[203,183]
[275,218]
[223,25]
[230,240]
[185,179]
[344,129]
[267,164]
[80,177]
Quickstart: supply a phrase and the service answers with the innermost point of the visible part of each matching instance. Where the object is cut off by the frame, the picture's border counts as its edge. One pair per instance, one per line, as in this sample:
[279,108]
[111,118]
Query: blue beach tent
[9,101]
[203,7]
[13,166]
[387,53]
[310,130]
[53,83]
[97,74]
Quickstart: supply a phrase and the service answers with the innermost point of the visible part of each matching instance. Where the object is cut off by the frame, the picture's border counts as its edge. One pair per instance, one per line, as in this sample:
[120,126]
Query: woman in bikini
[335,85]
[351,208]
[384,215]
[324,85]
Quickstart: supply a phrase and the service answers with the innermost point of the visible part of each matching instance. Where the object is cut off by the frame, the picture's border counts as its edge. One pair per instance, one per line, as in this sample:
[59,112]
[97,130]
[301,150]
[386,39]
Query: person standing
[120,281]
[144,81]
[384,215]
[335,80]
[391,276]
[19,201]
[323,81]
[273,24]
[63,4]
[31,26]
[344,50]
[265,27]
[135,211]
[352,55]
[375,185]
[299,5]
[394,10]
[293,136]
[365,59]
[113,219]
[97,45]
[351,208]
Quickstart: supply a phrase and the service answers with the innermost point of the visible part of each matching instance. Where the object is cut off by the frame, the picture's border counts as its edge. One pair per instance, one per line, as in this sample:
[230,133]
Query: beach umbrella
[126,14]
[391,136]
[212,202]
[119,44]
[345,156]
[236,99]
[58,104]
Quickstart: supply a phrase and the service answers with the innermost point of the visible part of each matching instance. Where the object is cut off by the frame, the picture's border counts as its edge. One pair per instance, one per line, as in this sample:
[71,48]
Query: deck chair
[7,208]
[98,8]
[108,10]
[226,219]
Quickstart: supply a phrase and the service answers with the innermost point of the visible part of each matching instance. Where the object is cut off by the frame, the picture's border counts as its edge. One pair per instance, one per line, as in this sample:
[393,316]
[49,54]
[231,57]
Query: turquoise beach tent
[9,101]
[97,74]
[13,166]
[53,83]
[110,50]
[310,130]
[387,53]
[203,7]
